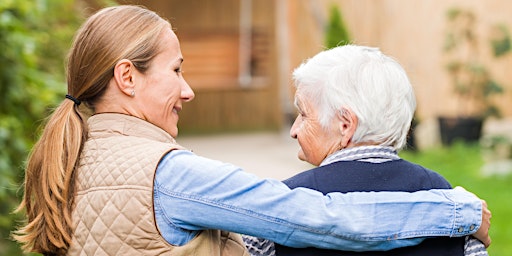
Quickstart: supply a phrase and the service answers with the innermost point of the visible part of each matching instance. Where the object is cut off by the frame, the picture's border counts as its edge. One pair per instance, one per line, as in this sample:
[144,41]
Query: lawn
[461,165]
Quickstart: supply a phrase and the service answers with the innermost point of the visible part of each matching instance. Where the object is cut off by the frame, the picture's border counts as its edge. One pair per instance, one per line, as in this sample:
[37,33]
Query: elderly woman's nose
[294,128]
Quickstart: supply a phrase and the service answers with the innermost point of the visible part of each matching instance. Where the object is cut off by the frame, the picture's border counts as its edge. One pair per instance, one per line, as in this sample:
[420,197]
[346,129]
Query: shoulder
[303,179]
[185,161]
[178,157]
[183,167]
[436,179]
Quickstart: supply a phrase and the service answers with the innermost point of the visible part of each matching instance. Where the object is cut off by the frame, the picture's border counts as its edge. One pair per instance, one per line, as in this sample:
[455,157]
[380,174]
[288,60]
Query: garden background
[35,37]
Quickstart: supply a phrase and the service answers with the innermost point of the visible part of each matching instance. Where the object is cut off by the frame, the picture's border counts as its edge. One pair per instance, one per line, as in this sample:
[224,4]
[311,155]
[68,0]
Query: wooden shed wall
[412,32]
[209,35]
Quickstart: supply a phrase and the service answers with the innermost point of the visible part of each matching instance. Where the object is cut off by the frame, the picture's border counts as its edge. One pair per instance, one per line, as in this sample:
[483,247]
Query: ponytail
[50,182]
[111,34]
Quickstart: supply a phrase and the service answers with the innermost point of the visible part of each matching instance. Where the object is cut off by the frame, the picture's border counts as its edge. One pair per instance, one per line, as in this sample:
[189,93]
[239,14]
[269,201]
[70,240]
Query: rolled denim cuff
[467,212]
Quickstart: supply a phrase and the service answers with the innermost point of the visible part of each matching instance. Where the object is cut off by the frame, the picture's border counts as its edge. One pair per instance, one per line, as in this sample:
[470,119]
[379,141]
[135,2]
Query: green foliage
[501,41]
[472,82]
[461,164]
[34,38]
[336,32]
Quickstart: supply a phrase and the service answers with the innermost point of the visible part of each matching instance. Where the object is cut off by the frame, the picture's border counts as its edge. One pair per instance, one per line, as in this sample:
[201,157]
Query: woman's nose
[187,94]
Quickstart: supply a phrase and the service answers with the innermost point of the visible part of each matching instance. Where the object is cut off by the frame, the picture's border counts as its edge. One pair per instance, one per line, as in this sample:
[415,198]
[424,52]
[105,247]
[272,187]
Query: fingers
[482,233]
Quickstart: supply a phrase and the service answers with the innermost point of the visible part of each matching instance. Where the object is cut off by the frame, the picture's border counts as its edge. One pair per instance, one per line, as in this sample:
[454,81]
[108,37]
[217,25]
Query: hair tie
[75,100]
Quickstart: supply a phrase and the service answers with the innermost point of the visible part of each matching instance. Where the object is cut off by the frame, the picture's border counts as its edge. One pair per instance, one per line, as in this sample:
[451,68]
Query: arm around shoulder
[198,193]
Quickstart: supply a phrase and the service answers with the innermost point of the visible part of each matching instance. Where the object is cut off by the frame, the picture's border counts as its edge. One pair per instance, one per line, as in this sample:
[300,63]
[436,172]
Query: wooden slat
[211,59]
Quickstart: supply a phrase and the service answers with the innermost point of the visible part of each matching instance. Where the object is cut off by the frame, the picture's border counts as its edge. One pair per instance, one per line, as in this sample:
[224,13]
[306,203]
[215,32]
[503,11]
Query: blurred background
[239,55]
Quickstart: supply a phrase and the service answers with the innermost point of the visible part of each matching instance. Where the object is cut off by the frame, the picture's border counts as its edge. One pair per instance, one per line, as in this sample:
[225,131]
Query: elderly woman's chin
[302,156]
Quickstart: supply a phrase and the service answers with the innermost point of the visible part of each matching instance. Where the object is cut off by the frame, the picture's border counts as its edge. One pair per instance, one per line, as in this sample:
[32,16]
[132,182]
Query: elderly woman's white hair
[374,86]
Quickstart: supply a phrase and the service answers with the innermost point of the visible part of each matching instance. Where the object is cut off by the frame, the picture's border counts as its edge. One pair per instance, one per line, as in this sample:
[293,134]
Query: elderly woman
[117,183]
[355,108]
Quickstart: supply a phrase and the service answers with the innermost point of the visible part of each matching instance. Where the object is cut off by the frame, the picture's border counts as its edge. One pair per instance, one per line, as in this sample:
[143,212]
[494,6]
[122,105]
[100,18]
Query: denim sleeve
[193,193]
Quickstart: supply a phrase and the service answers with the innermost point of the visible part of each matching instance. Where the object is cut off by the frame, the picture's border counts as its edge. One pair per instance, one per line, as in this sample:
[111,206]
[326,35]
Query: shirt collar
[373,154]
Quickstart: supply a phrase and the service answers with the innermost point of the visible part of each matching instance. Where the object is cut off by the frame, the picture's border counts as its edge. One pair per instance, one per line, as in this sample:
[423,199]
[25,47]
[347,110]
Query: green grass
[460,164]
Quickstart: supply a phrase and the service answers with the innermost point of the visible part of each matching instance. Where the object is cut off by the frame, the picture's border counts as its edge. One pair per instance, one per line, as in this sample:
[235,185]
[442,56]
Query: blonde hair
[111,34]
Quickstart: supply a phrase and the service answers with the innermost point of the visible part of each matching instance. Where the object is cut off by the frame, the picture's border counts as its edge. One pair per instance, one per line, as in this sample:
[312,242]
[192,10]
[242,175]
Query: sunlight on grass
[461,165]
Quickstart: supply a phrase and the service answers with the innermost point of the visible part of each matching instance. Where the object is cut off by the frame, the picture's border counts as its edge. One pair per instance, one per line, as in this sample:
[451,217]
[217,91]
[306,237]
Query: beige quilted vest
[113,212]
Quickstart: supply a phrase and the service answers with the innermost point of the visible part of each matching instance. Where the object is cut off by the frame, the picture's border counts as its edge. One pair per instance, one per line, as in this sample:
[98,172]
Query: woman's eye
[178,71]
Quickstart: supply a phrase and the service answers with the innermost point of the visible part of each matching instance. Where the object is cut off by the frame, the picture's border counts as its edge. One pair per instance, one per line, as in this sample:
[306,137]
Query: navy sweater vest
[397,175]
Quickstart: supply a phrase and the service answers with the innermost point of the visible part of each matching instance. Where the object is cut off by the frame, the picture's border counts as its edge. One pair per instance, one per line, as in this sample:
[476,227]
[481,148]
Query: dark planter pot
[468,129]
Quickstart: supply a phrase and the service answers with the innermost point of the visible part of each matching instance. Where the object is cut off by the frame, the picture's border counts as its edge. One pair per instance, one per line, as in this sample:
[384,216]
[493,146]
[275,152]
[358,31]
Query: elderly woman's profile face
[163,89]
[316,142]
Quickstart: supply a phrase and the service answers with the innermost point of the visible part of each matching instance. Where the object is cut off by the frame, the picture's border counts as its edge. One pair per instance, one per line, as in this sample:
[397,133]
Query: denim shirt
[193,193]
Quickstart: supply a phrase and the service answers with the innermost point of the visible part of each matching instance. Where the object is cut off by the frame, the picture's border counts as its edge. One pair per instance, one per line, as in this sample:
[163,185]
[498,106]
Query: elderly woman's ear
[347,125]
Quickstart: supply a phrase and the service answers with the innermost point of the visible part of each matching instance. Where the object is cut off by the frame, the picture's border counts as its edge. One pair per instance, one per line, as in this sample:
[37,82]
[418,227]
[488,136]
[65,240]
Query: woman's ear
[124,72]
[347,126]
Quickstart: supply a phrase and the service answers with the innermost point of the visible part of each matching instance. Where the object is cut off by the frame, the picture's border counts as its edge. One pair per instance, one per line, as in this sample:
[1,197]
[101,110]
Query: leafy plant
[34,36]
[336,31]
[471,79]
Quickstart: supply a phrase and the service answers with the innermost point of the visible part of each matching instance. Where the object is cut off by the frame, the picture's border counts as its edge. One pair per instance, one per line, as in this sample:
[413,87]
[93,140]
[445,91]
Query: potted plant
[472,82]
